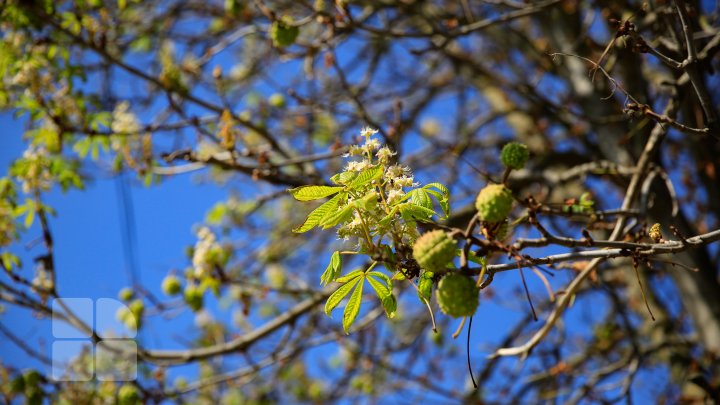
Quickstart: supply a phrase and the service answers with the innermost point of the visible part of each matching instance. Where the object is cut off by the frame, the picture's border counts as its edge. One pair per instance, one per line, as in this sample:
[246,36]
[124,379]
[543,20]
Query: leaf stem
[365,228]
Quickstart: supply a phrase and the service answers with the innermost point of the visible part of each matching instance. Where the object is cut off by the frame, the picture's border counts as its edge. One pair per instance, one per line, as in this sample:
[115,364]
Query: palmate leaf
[9,261]
[336,297]
[411,212]
[444,190]
[343,178]
[368,201]
[390,305]
[420,197]
[352,308]
[382,276]
[309,193]
[319,213]
[442,196]
[425,285]
[366,176]
[339,216]
[383,289]
[350,276]
[389,217]
[444,204]
[333,269]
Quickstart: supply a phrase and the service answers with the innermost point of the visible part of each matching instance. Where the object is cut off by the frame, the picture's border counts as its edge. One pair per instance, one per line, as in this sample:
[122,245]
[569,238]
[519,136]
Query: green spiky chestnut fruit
[126,294]
[434,250]
[277,100]
[171,285]
[193,298]
[283,33]
[494,203]
[457,295]
[128,395]
[514,155]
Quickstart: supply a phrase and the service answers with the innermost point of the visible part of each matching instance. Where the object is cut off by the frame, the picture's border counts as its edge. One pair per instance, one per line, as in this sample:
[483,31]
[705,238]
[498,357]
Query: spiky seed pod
[434,250]
[655,233]
[457,295]
[128,395]
[171,285]
[494,203]
[277,100]
[283,33]
[137,307]
[132,315]
[514,155]
[126,294]
[193,298]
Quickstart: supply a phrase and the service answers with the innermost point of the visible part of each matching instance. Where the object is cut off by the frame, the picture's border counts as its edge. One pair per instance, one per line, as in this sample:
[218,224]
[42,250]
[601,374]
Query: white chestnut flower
[394,196]
[371,145]
[384,154]
[368,132]
[357,166]
[124,121]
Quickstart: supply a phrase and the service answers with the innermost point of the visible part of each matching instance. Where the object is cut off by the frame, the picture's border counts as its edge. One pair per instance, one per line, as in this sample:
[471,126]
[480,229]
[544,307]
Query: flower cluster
[397,178]
[33,170]
[386,191]
[124,121]
[207,253]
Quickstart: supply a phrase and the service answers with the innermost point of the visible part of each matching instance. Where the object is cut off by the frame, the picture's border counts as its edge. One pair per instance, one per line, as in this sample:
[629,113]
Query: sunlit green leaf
[350,276]
[333,269]
[9,261]
[352,308]
[319,213]
[339,216]
[29,217]
[343,178]
[425,285]
[389,217]
[82,147]
[444,190]
[366,176]
[368,201]
[309,193]
[420,197]
[390,305]
[216,213]
[442,200]
[381,289]
[411,211]
[337,297]
[381,276]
